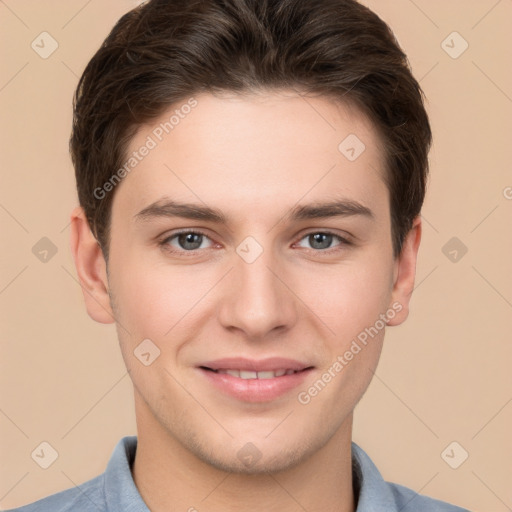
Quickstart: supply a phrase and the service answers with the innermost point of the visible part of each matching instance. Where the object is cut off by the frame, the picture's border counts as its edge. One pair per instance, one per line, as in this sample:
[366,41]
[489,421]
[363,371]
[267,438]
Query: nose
[256,299]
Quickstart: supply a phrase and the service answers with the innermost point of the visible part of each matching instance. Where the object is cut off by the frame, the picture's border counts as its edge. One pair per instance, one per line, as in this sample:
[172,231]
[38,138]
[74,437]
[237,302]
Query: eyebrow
[170,208]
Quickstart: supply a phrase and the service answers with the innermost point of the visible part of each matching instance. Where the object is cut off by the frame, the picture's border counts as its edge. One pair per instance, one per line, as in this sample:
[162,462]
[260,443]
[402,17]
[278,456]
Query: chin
[282,461]
[248,459]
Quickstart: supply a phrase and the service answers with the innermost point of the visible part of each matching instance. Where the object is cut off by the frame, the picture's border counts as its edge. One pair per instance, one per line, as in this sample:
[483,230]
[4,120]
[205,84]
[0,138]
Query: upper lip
[261,365]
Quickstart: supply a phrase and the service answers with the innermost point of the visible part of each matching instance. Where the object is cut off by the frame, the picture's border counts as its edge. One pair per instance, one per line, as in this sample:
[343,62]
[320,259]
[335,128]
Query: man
[250,176]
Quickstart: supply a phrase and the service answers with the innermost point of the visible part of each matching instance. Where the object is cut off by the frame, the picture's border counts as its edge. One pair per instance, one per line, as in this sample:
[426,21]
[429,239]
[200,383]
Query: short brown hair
[164,51]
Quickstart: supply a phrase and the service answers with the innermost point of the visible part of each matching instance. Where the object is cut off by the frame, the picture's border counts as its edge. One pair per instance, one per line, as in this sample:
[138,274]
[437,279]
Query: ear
[404,274]
[91,268]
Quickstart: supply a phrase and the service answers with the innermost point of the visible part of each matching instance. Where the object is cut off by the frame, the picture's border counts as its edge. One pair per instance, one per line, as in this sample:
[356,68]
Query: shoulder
[408,500]
[88,497]
[114,489]
[375,493]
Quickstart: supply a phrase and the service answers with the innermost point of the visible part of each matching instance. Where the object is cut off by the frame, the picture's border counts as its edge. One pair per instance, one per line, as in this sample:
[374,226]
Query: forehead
[255,150]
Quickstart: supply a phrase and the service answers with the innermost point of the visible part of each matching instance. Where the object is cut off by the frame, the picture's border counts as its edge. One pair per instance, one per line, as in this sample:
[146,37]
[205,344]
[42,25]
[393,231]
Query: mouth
[255,381]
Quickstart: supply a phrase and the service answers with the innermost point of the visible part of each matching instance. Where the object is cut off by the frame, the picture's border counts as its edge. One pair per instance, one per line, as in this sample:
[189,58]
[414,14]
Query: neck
[170,477]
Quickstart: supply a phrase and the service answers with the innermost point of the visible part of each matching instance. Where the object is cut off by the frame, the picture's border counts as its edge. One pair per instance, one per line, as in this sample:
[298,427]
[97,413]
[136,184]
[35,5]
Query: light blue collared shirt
[115,490]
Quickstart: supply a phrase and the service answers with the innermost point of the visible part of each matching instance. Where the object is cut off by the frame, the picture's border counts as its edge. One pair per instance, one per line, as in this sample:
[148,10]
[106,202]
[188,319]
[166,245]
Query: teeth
[266,375]
[247,374]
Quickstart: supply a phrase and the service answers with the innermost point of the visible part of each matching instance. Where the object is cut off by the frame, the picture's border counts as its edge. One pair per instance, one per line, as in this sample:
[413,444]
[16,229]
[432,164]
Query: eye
[191,241]
[186,241]
[323,240]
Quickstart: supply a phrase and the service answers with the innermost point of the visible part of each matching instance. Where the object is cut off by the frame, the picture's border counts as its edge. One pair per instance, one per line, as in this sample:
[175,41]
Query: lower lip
[255,390]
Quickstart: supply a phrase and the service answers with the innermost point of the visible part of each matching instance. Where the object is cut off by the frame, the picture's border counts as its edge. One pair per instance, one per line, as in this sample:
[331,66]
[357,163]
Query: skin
[253,157]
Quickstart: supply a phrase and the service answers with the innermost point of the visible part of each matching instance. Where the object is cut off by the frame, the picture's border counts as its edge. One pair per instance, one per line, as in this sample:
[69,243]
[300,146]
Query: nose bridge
[256,301]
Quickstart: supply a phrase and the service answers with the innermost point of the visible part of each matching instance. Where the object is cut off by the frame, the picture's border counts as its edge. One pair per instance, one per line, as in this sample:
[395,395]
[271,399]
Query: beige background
[444,375]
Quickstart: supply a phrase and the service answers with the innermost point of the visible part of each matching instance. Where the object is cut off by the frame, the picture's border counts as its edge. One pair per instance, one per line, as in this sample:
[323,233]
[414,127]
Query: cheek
[365,297]
[154,298]
[349,298]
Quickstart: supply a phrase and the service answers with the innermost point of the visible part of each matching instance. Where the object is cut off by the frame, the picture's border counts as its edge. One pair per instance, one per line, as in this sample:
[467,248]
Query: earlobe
[405,272]
[91,268]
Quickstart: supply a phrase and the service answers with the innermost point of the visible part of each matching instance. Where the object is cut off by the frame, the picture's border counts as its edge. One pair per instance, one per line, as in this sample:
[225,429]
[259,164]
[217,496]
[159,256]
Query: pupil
[320,240]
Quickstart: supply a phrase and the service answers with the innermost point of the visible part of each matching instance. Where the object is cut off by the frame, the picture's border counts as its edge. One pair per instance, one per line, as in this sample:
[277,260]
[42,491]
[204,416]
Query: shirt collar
[370,489]
[120,490]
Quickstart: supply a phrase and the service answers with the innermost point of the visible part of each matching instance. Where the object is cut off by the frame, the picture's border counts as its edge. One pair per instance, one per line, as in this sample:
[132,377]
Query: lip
[255,390]
[262,365]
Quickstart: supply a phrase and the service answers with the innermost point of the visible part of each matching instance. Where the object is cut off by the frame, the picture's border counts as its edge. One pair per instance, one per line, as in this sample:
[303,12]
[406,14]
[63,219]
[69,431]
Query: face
[255,253]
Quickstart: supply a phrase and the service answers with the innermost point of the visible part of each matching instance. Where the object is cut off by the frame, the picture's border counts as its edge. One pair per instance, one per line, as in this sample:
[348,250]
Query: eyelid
[163,241]
[344,240]
[168,236]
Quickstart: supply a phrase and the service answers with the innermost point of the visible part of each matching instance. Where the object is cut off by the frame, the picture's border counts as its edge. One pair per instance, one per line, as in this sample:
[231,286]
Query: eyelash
[165,242]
